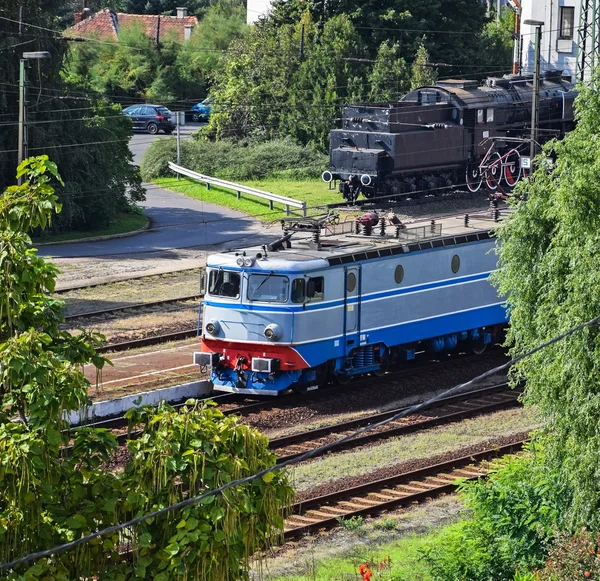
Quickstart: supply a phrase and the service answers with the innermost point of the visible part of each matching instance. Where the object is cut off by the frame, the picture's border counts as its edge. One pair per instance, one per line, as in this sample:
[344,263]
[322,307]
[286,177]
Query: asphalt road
[177,221]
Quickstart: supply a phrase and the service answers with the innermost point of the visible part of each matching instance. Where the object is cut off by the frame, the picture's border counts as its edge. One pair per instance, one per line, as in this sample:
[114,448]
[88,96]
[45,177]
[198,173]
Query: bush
[237,161]
[573,557]
[513,516]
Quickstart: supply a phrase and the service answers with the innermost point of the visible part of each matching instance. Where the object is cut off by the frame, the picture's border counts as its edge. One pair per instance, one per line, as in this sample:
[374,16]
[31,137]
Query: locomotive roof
[471,95]
[346,248]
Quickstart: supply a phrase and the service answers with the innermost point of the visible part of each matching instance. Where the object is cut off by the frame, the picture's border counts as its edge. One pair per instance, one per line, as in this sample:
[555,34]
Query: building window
[567,19]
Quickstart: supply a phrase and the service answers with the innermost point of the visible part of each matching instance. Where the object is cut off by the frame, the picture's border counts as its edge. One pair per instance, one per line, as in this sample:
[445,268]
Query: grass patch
[399,559]
[313,192]
[123,223]
[419,445]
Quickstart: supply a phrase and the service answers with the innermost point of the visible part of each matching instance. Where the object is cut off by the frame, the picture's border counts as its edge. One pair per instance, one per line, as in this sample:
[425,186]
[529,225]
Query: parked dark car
[150,118]
[201,111]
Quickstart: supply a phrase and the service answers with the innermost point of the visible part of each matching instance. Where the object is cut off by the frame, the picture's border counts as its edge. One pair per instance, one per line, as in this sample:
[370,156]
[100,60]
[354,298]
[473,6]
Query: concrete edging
[102,410]
[97,238]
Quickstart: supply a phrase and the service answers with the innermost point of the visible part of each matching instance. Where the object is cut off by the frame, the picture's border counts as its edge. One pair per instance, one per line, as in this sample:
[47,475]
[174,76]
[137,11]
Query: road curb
[97,238]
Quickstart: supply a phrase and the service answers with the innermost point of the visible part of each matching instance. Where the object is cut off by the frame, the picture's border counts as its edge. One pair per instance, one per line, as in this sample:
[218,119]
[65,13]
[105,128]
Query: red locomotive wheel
[493,171]
[473,177]
[512,168]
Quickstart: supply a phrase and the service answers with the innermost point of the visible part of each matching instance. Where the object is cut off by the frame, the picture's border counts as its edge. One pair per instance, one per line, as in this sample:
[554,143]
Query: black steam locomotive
[455,134]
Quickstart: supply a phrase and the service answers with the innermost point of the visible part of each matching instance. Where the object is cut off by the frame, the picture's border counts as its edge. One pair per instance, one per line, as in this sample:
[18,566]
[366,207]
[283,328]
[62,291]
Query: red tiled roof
[106,23]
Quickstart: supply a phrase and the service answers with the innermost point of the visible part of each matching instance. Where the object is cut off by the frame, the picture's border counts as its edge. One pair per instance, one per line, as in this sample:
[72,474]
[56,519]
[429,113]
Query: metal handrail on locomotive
[437,137]
[335,300]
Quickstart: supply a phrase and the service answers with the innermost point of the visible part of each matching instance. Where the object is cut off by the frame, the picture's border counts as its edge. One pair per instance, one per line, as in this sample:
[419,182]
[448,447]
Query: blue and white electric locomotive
[297,313]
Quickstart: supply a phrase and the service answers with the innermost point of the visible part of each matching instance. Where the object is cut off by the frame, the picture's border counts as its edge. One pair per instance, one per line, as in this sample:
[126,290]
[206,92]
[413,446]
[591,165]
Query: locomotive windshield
[223,283]
[268,287]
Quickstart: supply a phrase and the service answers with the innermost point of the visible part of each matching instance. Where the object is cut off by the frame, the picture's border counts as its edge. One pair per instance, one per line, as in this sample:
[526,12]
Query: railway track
[453,408]
[400,490]
[292,399]
[104,312]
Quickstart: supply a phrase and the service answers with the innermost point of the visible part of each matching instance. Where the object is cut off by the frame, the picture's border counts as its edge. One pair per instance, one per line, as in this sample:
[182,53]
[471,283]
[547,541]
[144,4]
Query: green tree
[86,135]
[199,58]
[453,29]
[549,257]
[422,73]
[266,87]
[49,497]
[388,79]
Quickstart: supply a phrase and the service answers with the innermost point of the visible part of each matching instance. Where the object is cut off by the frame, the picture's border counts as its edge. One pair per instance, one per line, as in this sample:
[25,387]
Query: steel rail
[102,312]
[371,498]
[313,438]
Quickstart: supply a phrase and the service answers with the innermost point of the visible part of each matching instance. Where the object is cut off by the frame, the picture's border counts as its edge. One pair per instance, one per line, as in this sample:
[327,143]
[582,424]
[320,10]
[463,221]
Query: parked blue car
[201,111]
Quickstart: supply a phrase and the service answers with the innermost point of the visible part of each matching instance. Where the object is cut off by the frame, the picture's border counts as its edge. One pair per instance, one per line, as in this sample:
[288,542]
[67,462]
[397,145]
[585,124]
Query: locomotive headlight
[326,176]
[248,261]
[213,327]
[240,261]
[365,179]
[272,332]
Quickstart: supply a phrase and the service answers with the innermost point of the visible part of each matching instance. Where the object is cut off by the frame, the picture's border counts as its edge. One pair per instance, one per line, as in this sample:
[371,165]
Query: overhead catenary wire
[58,549]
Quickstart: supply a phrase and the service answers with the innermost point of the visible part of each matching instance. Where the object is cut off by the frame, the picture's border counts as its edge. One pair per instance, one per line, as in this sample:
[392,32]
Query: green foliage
[453,32]
[233,160]
[512,519]
[266,88]
[353,523]
[388,79]
[385,524]
[422,75]
[573,557]
[549,258]
[49,498]
[222,22]
[133,69]
[85,136]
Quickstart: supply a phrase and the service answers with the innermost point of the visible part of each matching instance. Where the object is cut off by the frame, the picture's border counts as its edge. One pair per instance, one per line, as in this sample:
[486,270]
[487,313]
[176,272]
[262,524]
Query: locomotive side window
[203,283]
[480,116]
[223,283]
[399,274]
[268,288]
[455,264]
[350,282]
[298,290]
[490,115]
[315,289]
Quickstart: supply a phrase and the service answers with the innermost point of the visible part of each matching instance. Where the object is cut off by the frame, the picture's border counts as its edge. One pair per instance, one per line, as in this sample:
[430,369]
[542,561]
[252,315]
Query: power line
[58,549]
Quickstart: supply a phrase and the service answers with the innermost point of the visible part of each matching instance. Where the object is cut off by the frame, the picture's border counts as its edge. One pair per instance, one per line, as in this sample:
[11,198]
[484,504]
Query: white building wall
[256,9]
[556,52]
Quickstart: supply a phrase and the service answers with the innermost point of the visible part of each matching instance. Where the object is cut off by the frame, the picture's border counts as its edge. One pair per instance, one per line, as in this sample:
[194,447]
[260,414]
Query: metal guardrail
[239,189]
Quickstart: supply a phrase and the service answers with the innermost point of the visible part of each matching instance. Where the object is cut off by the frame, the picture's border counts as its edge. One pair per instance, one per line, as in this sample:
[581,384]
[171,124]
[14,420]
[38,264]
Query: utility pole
[535,101]
[178,144]
[158,33]
[22,153]
[22,149]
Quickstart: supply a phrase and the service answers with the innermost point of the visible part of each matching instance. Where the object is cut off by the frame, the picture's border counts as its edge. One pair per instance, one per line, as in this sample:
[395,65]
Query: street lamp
[22,151]
[535,101]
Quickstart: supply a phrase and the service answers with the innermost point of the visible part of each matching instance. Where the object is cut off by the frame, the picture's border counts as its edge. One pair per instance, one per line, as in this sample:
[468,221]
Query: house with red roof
[106,24]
